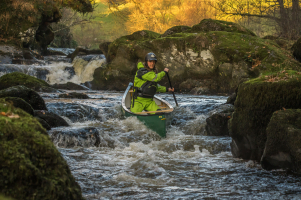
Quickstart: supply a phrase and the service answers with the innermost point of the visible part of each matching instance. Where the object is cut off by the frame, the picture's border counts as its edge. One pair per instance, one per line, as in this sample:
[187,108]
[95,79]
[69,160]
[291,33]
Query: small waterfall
[58,69]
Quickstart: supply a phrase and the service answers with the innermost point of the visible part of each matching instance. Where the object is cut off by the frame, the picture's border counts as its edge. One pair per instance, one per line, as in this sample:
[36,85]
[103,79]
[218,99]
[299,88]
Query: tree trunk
[296,18]
[285,20]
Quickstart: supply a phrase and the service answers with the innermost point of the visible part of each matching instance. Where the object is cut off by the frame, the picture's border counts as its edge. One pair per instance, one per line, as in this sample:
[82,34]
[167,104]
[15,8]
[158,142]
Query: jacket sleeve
[152,76]
[161,88]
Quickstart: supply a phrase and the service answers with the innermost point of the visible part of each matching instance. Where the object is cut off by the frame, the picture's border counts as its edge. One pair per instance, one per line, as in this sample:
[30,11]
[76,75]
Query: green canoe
[158,122]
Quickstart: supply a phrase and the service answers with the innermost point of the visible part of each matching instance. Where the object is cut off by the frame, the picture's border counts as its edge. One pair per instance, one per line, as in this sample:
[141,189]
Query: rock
[207,25]
[176,29]
[297,50]
[11,54]
[76,137]
[43,123]
[282,147]
[52,119]
[30,161]
[75,112]
[81,51]
[28,95]
[104,47]
[18,78]
[20,103]
[217,123]
[231,99]
[69,86]
[256,101]
[222,53]
[74,95]
[188,85]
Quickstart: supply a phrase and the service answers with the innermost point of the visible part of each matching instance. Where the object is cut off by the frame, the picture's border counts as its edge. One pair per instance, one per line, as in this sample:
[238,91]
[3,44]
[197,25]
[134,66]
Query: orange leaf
[3,113]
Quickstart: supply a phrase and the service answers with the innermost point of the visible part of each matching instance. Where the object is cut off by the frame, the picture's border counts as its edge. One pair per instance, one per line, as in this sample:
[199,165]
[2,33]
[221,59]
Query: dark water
[131,162]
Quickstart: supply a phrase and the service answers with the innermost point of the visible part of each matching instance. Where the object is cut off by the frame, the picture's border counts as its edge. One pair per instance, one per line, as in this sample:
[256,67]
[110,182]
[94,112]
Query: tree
[285,13]
[18,15]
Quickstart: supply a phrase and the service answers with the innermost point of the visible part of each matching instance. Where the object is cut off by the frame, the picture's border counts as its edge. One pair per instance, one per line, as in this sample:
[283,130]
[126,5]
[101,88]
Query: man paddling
[146,85]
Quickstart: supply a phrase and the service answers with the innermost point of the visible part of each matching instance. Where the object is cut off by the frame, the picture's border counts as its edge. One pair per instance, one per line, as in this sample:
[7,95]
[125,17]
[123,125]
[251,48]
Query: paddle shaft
[171,87]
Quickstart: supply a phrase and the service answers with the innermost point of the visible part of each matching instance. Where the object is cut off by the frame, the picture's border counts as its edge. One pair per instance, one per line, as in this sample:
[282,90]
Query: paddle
[171,87]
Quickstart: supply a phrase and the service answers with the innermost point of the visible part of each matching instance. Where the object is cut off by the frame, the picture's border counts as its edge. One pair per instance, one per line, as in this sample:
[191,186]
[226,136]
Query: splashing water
[131,162]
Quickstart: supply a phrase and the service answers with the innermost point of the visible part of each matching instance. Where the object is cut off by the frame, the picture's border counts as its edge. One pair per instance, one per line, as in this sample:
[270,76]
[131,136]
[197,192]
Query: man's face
[151,64]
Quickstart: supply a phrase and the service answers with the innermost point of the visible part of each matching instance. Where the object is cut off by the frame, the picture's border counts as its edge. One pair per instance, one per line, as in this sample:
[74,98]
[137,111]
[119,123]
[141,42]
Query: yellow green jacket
[148,76]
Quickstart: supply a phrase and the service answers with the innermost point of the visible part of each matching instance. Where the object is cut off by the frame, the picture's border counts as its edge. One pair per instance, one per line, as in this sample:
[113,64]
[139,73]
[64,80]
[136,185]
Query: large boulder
[20,103]
[219,55]
[282,147]
[31,166]
[28,95]
[256,101]
[18,78]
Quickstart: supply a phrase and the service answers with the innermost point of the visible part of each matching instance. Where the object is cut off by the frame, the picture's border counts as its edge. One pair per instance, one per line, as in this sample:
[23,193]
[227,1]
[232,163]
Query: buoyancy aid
[146,83]
[149,88]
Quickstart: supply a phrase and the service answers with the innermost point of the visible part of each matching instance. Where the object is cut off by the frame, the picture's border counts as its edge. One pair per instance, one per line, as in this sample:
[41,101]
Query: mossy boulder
[283,144]
[18,78]
[256,101]
[31,166]
[20,103]
[176,29]
[28,95]
[217,56]
[207,25]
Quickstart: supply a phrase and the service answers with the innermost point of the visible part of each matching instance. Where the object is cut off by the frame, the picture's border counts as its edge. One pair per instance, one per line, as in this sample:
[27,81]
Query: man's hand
[171,89]
[166,70]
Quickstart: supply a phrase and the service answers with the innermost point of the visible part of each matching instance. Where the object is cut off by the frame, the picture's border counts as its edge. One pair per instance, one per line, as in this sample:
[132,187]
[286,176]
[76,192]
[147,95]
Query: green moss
[18,78]
[255,103]
[5,198]
[31,166]
[283,135]
[207,25]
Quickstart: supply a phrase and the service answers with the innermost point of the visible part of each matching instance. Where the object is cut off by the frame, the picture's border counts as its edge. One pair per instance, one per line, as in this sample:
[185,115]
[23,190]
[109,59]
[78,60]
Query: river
[132,162]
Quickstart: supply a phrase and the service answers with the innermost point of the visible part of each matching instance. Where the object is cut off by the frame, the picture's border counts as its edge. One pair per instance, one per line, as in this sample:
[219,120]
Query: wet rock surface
[52,119]
[76,137]
[282,148]
[69,86]
[75,112]
[28,95]
[217,123]
[74,95]
[81,52]
[20,103]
